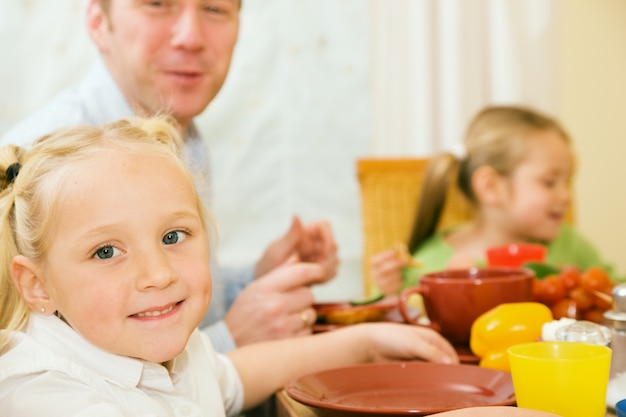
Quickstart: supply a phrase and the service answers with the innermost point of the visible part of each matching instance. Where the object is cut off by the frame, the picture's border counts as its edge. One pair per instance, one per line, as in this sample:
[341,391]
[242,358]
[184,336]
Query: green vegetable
[366,301]
[542,270]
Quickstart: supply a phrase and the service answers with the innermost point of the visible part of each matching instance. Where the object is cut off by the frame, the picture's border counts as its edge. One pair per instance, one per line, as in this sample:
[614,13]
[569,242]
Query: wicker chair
[390,189]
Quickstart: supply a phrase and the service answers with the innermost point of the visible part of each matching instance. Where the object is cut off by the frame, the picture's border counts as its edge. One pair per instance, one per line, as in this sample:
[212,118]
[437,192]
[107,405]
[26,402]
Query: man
[173,56]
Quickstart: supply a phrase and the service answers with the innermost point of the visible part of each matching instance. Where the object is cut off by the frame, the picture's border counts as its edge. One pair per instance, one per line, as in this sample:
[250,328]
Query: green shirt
[569,248]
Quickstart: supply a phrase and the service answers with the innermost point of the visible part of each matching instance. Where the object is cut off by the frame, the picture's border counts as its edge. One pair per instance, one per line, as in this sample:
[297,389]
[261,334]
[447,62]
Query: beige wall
[593,108]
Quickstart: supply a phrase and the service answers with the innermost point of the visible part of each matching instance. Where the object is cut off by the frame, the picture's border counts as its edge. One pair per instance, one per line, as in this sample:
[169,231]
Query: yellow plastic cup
[565,378]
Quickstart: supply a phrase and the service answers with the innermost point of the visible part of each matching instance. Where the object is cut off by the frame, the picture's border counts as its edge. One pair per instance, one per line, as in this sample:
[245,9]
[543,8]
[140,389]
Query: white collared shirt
[51,371]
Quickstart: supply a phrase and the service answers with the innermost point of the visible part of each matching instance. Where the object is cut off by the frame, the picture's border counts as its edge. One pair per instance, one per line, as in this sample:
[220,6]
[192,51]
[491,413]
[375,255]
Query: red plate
[401,388]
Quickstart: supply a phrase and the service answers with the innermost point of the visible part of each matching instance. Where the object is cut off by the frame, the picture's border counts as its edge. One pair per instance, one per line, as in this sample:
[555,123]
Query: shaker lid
[618,313]
[584,331]
[619,298]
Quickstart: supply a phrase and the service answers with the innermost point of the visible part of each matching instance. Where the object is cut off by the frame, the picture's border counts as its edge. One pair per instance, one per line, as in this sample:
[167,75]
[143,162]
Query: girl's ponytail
[432,198]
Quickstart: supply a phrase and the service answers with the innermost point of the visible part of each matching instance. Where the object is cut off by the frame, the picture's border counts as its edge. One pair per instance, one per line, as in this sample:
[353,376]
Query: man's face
[167,56]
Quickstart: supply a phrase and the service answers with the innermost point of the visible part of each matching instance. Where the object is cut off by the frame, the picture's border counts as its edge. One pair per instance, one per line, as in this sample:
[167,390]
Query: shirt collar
[105,103]
[101,97]
[59,337]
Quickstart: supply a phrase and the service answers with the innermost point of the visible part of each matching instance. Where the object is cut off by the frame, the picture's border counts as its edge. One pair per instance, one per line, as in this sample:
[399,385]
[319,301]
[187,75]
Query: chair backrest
[390,189]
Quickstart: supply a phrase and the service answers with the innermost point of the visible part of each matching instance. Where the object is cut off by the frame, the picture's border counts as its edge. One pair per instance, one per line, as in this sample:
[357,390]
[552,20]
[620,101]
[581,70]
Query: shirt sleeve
[227,284]
[220,336]
[572,248]
[228,379]
[232,388]
[235,280]
[433,254]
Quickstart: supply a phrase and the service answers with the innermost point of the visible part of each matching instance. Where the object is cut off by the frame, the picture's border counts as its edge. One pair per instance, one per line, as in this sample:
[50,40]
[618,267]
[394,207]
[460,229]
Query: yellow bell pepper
[503,326]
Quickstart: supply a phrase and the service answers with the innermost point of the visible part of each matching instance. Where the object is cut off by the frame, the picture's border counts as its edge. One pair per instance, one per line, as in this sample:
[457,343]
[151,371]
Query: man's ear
[488,186]
[27,278]
[97,24]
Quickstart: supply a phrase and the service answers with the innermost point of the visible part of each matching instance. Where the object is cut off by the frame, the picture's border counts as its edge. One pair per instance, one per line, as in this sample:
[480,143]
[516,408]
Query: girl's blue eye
[106,252]
[172,238]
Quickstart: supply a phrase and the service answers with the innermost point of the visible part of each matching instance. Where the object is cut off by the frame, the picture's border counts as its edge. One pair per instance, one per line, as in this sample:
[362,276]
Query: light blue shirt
[97,100]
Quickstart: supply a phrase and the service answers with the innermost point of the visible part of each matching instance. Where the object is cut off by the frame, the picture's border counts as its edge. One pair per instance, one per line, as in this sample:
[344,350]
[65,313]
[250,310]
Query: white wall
[44,47]
[593,103]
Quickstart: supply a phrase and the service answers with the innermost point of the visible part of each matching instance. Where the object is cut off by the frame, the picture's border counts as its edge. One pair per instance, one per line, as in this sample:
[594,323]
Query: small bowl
[516,255]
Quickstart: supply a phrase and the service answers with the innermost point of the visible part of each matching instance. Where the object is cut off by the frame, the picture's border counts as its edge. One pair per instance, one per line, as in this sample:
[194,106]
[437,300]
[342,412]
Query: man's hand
[277,305]
[313,243]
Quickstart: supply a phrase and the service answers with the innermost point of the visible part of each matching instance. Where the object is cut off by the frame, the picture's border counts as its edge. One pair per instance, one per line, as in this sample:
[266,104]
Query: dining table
[285,406]
[288,407]
[281,404]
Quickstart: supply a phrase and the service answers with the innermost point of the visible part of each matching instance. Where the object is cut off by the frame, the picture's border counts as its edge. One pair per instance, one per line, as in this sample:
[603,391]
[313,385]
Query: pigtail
[13,310]
[464,179]
[432,198]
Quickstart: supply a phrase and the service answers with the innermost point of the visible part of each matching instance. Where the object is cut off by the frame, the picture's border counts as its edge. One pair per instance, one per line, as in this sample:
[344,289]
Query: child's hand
[461,260]
[397,342]
[386,270]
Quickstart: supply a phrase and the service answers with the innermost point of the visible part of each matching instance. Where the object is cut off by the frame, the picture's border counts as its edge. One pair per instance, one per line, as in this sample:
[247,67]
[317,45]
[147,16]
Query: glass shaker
[585,332]
[616,319]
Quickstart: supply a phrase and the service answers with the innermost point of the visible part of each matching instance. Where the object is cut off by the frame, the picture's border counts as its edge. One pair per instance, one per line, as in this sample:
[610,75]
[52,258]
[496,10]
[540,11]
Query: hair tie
[12,171]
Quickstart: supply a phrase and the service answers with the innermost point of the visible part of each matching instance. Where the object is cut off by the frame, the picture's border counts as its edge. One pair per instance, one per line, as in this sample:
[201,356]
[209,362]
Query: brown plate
[466,355]
[401,388]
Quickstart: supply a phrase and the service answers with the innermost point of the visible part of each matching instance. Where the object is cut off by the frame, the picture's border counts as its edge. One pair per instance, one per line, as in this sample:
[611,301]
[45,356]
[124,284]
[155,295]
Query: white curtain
[437,62]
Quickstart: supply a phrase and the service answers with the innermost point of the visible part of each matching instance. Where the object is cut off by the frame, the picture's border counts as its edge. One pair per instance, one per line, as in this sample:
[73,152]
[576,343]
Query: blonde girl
[516,172]
[105,277]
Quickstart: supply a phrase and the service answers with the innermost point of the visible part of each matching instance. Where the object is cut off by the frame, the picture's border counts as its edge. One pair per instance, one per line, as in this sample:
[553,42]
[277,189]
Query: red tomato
[603,303]
[594,315]
[595,279]
[565,308]
[570,275]
[537,290]
[583,299]
[551,289]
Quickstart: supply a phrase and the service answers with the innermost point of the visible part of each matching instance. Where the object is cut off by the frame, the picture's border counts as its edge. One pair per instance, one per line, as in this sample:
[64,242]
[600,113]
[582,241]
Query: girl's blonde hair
[31,178]
[496,137]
